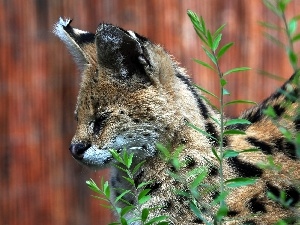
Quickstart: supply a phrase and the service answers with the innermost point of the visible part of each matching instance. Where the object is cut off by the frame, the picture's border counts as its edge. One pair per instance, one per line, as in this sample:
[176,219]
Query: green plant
[210,44]
[138,192]
[289,28]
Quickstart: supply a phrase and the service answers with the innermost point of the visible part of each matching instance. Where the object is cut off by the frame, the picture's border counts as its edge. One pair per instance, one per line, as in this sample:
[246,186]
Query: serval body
[134,95]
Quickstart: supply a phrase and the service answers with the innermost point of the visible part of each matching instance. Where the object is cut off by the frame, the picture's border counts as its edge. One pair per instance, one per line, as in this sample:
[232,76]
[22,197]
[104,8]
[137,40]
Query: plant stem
[222,203]
[221,139]
[290,43]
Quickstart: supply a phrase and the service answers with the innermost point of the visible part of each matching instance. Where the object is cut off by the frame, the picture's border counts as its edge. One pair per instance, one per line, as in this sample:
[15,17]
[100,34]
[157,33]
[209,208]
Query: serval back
[133,94]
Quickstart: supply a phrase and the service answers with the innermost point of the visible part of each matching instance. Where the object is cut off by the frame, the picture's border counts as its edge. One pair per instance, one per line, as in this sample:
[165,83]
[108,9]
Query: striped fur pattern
[133,95]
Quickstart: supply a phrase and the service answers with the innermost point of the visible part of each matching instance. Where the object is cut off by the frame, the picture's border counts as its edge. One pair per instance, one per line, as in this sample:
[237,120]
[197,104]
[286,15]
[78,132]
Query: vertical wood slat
[40,182]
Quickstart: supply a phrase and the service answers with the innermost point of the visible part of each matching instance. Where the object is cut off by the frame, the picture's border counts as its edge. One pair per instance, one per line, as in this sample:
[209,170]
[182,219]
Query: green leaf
[163,150]
[224,49]
[215,154]
[210,55]
[233,132]
[218,31]
[239,182]
[175,162]
[143,184]
[292,26]
[199,26]
[282,5]
[281,222]
[115,155]
[204,64]
[106,189]
[137,167]
[127,159]
[120,168]
[182,193]
[236,121]
[286,133]
[93,186]
[225,92]
[209,103]
[156,219]
[174,175]
[221,198]
[196,210]
[206,91]
[216,42]
[270,75]
[202,132]
[114,223]
[121,195]
[274,40]
[144,199]
[200,35]
[145,214]
[177,151]
[223,82]
[209,39]
[123,221]
[250,150]
[236,70]
[215,120]
[296,37]
[222,212]
[163,223]
[196,171]
[126,209]
[131,181]
[272,7]
[102,198]
[230,153]
[271,196]
[143,193]
[269,25]
[270,112]
[107,206]
[203,26]
[118,209]
[198,179]
[292,57]
[240,101]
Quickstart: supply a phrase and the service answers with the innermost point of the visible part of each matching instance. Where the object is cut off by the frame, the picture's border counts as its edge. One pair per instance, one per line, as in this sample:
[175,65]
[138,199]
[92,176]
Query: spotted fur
[134,95]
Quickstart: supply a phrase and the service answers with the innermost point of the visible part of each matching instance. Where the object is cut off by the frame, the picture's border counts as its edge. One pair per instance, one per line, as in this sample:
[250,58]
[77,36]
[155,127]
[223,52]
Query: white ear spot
[132,34]
[78,32]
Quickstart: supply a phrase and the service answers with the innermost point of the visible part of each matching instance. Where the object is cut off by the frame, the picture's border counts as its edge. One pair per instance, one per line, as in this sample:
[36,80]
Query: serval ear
[121,51]
[77,41]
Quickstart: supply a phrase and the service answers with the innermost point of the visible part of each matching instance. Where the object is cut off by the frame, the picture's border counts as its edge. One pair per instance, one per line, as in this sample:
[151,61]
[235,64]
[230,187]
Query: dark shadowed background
[40,183]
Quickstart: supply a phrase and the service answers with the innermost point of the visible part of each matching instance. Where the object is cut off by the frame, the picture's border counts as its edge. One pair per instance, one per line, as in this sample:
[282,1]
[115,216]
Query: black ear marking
[80,37]
[120,51]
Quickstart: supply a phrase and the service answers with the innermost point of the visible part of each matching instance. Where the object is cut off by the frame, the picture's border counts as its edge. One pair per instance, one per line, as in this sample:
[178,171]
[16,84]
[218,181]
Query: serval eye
[100,122]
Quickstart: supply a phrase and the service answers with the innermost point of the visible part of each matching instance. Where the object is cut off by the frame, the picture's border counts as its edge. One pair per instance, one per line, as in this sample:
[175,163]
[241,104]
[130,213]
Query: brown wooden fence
[40,183]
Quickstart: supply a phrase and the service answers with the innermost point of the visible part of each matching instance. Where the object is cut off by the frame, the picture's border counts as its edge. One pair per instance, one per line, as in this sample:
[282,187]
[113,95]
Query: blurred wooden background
[40,183]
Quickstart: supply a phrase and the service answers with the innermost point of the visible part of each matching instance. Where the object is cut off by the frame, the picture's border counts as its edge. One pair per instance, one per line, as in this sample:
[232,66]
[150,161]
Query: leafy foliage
[138,191]
[211,46]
